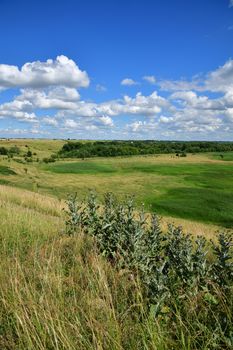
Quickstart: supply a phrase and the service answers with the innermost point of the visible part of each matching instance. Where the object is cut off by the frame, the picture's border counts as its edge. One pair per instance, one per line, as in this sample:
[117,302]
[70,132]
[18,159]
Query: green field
[228,156]
[4,170]
[178,189]
[197,187]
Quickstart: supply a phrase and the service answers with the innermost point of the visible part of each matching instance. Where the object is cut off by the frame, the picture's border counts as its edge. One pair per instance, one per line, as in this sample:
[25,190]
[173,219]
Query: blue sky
[116,69]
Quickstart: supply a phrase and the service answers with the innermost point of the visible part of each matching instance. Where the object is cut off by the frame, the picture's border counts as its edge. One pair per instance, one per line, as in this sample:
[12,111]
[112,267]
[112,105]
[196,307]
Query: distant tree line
[79,149]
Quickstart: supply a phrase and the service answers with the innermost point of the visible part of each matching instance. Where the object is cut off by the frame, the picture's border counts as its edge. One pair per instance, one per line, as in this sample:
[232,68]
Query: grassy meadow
[37,308]
[57,290]
[171,186]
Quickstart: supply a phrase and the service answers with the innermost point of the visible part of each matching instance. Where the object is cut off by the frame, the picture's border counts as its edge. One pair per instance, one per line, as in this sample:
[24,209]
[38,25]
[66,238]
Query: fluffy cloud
[139,105]
[165,120]
[100,88]
[58,98]
[184,124]
[137,126]
[192,100]
[228,99]
[21,110]
[231,3]
[150,79]
[64,93]
[143,128]
[70,123]
[219,80]
[21,116]
[144,105]
[61,71]
[22,132]
[128,82]
[87,124]
[50,100]
[107,121]
[50,121]
[180,85]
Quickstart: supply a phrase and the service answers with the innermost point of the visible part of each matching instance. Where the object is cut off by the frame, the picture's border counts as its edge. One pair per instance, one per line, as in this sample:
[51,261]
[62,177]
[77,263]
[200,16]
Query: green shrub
[14,150]
[29,154]
[185,282]
[3,151]
[49,160]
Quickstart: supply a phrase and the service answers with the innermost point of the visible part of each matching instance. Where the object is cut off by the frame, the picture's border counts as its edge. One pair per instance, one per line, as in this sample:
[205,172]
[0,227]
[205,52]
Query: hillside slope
[58,292]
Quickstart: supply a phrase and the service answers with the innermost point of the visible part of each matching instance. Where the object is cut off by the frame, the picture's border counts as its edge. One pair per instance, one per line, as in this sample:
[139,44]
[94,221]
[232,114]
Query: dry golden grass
[43,147]
[19,202]
[31,200]
[57,292]
[193,227]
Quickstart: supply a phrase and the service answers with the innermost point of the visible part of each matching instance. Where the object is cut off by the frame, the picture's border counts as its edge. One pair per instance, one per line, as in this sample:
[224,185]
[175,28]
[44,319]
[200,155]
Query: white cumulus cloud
[37,74]
[150,79]
[49,100]
[70,123]
[128,82]
[100,88]
[221,79]
[50,121]
[105,120]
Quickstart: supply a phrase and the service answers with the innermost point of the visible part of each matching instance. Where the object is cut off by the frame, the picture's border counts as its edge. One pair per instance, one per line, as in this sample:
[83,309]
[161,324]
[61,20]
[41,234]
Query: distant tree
[29,154]
[3,151]
[14,150]
[183,154]
[49,160]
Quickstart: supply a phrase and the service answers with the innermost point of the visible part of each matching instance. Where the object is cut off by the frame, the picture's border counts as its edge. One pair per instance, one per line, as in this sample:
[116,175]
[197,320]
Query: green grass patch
[225,156]
[4,182]
[80,168]
[4,170]
[198,204]
[176,189]
[164,169]
[203,192]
